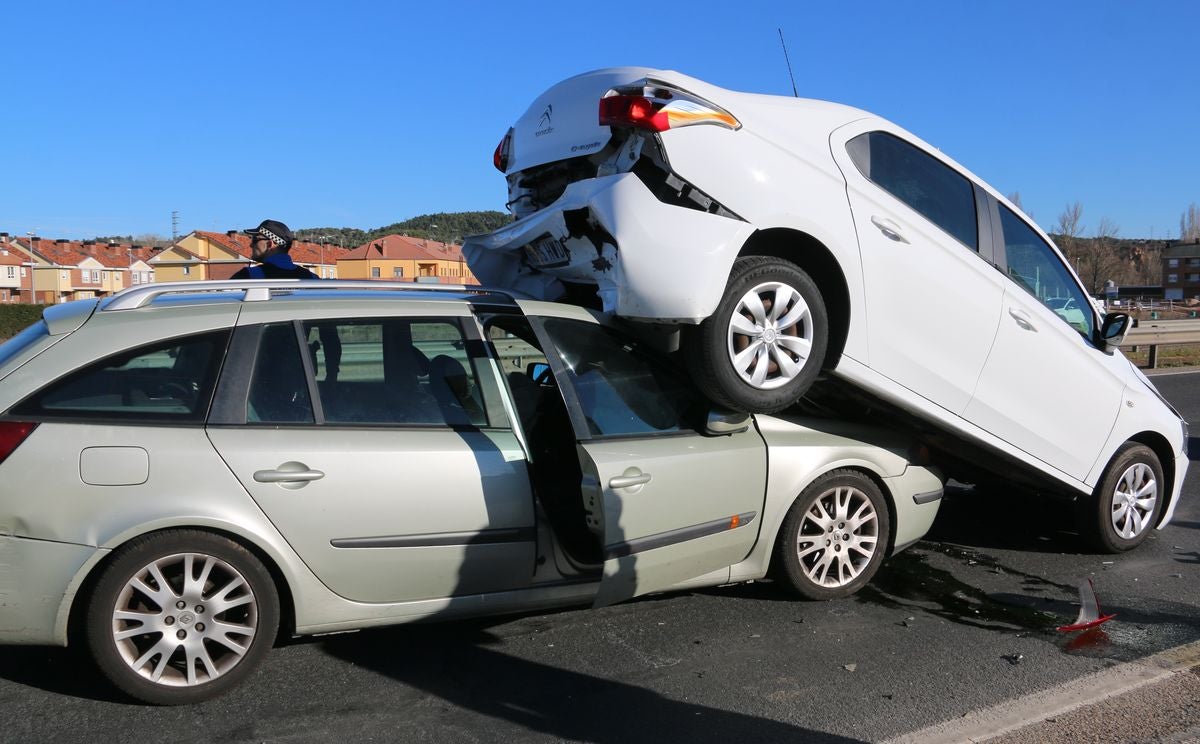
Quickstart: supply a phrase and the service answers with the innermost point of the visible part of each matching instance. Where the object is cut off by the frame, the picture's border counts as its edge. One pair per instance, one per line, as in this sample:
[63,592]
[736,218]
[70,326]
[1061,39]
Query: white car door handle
[626,481]
[889,229]
[1022,319]
[285,476]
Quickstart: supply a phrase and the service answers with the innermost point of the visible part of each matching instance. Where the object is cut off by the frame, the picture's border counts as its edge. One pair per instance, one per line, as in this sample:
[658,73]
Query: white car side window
[1037,269]
[930,187]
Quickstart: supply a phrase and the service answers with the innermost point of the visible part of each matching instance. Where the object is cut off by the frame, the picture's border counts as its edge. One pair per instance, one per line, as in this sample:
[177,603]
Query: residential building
[1181,271]
[407,259]
[41,271]
[14,272]
[213,255]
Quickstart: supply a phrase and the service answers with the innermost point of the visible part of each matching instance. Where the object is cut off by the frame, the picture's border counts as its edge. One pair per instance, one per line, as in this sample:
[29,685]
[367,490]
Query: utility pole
[174,226]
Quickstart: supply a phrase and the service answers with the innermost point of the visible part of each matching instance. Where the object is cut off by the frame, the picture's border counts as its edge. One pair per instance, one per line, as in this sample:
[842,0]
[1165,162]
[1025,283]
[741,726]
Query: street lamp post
[324,238]
[32,294]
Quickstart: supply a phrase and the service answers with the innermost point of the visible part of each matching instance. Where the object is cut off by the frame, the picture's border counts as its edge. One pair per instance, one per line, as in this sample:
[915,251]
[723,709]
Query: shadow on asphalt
[458,663]
[1010,521]
[58,670]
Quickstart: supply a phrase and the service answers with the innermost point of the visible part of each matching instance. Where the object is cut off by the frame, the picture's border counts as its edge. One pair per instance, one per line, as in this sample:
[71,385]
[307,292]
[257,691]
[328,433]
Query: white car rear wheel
[764,346]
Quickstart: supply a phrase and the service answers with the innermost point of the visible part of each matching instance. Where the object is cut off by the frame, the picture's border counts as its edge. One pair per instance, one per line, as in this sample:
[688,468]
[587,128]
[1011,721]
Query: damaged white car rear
[776,238]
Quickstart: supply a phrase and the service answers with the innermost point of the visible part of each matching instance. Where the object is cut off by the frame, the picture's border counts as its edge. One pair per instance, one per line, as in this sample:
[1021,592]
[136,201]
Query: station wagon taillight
[12,433]
[657,108]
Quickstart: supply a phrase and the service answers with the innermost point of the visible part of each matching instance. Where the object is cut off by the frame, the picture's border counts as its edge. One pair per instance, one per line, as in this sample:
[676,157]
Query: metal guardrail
[1162,333]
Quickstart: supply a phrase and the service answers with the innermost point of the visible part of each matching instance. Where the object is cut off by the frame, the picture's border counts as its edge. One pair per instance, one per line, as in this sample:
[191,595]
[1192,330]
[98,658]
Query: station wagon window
[166,381]
[620,390]
[921,181]
[386,371]
[1034,265]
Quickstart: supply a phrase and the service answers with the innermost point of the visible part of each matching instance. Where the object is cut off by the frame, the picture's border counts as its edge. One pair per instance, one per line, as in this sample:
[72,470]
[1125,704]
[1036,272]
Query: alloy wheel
[184,619]
[839,534]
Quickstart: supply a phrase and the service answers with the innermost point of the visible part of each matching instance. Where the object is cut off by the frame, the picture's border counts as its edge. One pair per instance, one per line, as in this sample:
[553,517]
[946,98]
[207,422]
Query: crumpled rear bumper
[37,581]
[648,260]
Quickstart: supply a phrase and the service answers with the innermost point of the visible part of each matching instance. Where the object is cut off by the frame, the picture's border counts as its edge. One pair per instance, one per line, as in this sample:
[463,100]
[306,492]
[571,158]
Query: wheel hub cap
[770,335]
[1134,500]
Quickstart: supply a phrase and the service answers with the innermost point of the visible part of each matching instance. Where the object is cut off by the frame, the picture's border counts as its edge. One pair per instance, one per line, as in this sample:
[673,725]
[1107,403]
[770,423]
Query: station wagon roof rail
[260,290]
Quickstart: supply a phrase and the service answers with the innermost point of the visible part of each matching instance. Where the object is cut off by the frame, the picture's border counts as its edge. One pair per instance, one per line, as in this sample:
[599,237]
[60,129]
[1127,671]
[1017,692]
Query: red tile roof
[75,252]
[302,251]
[238,243]
[308,252]
[406,248]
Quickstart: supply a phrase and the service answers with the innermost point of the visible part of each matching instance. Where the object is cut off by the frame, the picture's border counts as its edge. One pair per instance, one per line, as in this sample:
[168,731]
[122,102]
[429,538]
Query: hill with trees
[445,227]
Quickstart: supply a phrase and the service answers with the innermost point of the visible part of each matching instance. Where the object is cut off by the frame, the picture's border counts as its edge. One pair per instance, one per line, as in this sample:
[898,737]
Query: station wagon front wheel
[834,536]
[763,348]
[181,616]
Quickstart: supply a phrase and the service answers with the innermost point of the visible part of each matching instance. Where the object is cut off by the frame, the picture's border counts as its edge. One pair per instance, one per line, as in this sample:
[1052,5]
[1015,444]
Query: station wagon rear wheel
[764,346]
[181,616]
[834,536]
[1126,502]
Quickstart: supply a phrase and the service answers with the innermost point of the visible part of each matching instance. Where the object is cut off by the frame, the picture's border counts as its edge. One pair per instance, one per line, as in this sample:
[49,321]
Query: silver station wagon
[193,470]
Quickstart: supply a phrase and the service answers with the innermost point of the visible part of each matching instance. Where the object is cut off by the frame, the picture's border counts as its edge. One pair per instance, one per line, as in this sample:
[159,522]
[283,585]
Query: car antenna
[789,62]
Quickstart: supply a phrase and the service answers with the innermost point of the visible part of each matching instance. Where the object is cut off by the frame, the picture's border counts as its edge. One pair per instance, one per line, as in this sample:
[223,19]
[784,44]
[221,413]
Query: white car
[786,236]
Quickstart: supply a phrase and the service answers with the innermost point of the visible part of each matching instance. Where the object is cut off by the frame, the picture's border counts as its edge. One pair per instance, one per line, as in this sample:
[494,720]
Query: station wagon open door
[670,502]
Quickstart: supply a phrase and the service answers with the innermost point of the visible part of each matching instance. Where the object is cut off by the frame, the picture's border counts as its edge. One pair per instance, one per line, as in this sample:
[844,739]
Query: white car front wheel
[1126,502]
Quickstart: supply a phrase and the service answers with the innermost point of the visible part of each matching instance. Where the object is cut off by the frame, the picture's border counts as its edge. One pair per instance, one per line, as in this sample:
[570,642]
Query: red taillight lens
[12,433]
[500,157]
[633,111]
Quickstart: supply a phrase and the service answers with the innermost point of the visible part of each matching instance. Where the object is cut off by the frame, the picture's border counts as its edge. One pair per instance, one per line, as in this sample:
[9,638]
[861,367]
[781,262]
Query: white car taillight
[503,152]
[657,108]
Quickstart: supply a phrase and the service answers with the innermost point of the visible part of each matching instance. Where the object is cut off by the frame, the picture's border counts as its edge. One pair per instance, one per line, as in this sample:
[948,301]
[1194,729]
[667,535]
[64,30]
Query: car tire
[1126,503]
[208,606]
[834,536]
[763,347]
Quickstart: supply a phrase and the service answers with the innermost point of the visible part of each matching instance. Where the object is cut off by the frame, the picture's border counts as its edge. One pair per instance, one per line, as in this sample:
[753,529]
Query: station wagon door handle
[1022,319]
[628,480]
[889,229]
[287,476]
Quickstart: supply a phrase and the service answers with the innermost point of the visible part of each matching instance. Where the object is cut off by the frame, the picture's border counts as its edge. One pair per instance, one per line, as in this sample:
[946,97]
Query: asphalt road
[963,620]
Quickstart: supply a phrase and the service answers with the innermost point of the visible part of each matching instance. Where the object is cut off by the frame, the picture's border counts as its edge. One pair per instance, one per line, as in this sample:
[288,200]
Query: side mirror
[1113,330]
[539,372]
[721,423]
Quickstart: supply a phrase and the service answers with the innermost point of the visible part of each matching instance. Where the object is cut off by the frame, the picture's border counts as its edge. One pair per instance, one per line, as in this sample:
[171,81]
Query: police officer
[269,246]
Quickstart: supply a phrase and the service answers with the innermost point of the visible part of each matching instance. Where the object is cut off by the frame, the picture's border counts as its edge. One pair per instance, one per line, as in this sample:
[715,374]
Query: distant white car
[787,236]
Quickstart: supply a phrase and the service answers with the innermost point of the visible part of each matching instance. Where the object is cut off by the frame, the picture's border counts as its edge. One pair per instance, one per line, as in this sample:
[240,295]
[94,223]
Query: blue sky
[362,114]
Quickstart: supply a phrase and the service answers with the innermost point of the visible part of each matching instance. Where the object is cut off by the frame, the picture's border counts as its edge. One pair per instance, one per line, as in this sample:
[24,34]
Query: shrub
[15,318]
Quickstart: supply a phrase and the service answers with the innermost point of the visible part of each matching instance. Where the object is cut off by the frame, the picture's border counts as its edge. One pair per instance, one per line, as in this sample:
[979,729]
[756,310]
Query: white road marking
[1002,718]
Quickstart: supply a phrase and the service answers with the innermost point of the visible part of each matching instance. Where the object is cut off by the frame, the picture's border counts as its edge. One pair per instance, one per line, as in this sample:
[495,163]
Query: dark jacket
[276,266]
